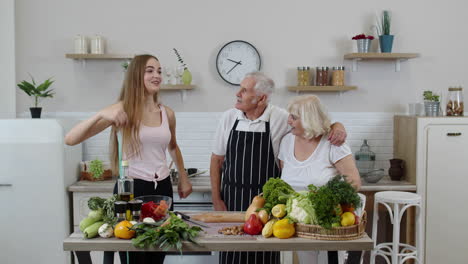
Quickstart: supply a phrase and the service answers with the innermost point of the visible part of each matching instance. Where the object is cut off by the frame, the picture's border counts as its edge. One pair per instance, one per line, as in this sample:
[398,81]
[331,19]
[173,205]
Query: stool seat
[398,197]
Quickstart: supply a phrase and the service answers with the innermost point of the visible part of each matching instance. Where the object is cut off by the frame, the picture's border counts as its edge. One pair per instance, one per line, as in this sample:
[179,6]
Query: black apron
[248,164]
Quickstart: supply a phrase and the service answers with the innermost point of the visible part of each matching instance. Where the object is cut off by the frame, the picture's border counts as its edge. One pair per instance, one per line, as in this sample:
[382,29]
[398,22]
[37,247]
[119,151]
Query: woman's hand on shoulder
[115,113]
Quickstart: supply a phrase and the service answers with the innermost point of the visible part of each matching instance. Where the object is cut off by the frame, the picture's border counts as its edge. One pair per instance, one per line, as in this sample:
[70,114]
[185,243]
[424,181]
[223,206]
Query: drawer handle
[6,184]
[454,134]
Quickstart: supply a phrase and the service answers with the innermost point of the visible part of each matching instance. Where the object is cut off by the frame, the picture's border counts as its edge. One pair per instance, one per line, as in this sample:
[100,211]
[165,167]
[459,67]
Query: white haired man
[245,154]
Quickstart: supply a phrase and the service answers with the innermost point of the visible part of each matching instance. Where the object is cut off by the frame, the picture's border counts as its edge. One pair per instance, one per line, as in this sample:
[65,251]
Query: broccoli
[276,191]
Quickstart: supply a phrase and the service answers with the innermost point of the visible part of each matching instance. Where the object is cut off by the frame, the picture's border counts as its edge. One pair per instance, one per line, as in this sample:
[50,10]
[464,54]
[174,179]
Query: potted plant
[38,91]
[363,42]
[383,29]
[186,75]
[431,103]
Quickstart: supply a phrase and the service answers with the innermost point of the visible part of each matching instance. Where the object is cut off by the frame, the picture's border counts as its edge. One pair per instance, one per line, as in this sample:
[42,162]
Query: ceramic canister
[81,44]
[97,45]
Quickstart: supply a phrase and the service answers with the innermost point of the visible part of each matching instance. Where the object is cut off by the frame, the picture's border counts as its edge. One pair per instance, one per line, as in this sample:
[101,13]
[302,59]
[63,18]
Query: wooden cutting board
[220,217]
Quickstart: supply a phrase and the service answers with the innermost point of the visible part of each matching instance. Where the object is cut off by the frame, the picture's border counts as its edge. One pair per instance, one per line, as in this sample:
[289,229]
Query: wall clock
[235,59]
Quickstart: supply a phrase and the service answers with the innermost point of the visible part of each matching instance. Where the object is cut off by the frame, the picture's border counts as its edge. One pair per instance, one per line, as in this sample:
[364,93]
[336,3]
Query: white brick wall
[195,132]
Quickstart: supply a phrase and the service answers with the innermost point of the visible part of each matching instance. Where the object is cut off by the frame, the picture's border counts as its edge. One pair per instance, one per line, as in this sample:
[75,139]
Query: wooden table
[210,240]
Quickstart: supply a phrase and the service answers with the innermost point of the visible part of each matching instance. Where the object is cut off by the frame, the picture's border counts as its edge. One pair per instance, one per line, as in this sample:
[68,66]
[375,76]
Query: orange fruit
[122,230]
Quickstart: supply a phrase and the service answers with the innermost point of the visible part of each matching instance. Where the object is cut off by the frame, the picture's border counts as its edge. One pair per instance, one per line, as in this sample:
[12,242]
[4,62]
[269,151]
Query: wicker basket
[335,233]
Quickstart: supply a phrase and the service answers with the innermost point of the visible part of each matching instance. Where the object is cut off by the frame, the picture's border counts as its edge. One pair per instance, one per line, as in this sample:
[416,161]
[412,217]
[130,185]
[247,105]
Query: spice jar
[135,209]
[325,76]
[306,71]
[337,78]
[120,209]
[318,76]
[299,76]
[455,106]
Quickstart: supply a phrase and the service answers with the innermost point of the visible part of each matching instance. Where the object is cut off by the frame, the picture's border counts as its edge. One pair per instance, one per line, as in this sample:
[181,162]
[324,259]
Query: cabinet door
[447,194]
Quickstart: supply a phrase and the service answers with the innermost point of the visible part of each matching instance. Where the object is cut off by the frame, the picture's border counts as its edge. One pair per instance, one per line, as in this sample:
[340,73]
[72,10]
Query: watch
[235,59]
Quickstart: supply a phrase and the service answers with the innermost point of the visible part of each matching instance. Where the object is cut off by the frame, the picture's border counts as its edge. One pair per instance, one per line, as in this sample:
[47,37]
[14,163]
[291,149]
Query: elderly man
[245,153]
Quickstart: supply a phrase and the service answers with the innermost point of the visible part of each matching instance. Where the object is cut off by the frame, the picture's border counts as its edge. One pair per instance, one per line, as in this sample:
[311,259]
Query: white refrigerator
[35,170]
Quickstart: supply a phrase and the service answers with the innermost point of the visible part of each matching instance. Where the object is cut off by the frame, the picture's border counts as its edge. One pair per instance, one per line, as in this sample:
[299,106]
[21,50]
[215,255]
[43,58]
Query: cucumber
[87,221]
[92,230]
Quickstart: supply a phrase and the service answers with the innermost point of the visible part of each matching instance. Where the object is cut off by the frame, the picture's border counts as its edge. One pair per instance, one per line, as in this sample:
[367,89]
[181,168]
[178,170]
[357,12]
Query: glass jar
[337,78]
[299,76]
[318,76]
[306,76]
[455,105]
[325,76]
[125,184]
[365,158]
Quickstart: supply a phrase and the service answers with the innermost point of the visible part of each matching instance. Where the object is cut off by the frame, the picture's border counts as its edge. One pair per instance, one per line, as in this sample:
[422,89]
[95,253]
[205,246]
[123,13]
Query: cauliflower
[300,209]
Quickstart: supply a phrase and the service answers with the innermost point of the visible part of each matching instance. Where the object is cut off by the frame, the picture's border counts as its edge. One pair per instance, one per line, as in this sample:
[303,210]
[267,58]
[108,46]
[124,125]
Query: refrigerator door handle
[6,185]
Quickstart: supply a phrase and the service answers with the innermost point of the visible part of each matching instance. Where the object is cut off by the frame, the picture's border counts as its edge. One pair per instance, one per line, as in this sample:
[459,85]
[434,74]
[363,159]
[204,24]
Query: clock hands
[237,63]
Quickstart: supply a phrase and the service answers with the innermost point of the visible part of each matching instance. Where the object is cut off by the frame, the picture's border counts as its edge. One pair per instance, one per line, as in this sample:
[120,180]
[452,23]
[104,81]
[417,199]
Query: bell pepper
[283,229]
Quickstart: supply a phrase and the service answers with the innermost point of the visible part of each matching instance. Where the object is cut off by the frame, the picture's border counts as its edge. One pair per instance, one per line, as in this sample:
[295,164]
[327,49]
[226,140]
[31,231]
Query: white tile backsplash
[195,132]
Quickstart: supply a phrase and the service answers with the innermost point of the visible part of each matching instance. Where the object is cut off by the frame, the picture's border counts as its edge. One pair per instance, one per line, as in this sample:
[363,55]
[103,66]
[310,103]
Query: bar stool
[399,252]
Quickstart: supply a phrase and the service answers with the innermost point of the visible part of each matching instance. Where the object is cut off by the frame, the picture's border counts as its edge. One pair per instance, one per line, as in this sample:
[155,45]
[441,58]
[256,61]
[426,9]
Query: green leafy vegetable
[107,205]
[337,191]
[276,191]
[300,209]
[96,168]
[166,236]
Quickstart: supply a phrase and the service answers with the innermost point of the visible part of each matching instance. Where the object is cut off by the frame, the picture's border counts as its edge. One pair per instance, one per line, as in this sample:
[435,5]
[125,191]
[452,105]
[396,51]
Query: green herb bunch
[328,197]
[179,58]
[38,91]
[165,236]
[431,97]
[96,168]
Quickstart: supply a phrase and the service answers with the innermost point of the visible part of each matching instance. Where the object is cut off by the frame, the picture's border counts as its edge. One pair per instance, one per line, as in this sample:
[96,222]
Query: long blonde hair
[132,97]
[313,116]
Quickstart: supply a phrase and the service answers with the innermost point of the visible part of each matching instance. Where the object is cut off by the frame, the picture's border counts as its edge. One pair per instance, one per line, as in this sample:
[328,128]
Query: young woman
[148,130]
[307,157]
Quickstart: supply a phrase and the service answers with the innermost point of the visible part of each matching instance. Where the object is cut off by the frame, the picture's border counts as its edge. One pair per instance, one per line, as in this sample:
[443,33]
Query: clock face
[236,59]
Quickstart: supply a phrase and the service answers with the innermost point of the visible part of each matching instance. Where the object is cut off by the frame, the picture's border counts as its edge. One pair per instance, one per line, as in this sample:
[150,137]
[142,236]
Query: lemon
[279,210]
[122,230]
[347,219]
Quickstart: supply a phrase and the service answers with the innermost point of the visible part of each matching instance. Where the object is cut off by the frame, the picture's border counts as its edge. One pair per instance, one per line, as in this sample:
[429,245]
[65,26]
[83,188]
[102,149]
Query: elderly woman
[307,157]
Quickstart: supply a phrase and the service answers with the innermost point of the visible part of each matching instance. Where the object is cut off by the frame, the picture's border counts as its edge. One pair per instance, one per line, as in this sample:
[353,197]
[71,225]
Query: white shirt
[277,117]
[317,169]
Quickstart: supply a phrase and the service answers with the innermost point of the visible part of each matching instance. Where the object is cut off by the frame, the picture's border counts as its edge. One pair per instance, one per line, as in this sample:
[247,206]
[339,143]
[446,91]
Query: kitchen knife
[187,218]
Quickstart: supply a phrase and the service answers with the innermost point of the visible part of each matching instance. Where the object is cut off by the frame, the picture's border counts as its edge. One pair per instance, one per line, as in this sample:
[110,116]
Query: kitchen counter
[202,184]
[199,184]
[210,240]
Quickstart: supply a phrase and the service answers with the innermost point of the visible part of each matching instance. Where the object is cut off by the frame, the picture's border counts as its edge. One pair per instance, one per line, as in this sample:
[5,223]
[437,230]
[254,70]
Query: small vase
[386,43]
[432,108]
[363,45]
[186,77]
[396,169]
[35,112]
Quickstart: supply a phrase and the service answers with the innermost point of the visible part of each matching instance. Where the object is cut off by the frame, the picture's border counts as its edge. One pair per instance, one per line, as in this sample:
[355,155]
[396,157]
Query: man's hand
[219,205]
[337,135]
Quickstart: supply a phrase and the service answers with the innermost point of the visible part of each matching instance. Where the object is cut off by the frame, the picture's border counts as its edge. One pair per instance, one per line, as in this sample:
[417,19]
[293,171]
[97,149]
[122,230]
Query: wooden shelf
[397,57]
[174,87]
[321,88]
[98,56]
[380,56]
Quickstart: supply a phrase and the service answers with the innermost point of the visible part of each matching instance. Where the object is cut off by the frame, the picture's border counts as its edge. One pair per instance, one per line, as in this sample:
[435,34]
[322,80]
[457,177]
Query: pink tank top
[152,164]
